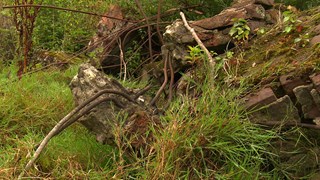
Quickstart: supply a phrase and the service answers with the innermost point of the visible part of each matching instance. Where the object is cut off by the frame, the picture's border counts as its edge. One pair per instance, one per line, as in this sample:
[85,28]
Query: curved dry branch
[64,9]
[153,101]
[142,91]
[197,39]
[149,27]
[65,122]
[171,83]
[61,125]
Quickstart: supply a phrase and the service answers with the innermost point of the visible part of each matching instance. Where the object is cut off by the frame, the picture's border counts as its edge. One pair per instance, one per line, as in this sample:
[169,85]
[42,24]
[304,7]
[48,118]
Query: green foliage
[301,4]
[204,138]
[261,31]
[195,54]
[302,40]
[68,31]
[8,38]
[29,108]
[289,20]
[240,30]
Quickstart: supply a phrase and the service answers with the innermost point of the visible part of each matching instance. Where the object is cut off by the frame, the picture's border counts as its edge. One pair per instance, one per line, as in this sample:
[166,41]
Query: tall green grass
[204,137]
[29,108]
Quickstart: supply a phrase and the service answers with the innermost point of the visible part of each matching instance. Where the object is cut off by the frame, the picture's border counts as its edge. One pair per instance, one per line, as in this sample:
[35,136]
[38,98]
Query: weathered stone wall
[299,100]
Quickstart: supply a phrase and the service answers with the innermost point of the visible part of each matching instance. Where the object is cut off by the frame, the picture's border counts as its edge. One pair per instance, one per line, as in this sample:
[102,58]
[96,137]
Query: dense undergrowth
[207,137]
[203,138]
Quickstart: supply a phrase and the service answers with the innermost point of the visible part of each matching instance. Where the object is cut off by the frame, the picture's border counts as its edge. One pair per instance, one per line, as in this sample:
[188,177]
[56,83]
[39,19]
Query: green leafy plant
[302,40]
[289,20]
[261,31]
[240,29]
[195,54]
[223,61]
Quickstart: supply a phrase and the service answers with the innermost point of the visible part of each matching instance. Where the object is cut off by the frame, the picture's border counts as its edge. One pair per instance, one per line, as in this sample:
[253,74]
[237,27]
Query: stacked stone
[301,102]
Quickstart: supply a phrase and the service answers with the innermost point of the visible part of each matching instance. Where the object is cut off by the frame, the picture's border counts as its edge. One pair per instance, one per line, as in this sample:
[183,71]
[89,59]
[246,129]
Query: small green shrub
[303,40]
[240,30]
[289,20]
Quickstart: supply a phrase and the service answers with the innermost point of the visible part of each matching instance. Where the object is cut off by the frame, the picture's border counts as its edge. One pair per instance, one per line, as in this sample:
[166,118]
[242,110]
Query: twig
[164,82]
[158,21]
[142,91]
[64,9]
[171,83]
[195,36]
[122,62]
[62,124]
[149,28]
[86,110]
[123,89]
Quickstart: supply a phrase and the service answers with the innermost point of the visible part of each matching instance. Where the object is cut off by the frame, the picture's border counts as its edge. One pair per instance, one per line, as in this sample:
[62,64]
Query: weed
[195,54]
[302,40]
[240,29]
[289,20]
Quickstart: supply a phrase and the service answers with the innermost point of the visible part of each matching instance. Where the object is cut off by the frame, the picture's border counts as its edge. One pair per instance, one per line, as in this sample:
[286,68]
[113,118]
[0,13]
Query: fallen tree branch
[142,91]
[155,98]
[60,126]
[197,39]
[66,122]
[149,27]
[64,9]
[171,83]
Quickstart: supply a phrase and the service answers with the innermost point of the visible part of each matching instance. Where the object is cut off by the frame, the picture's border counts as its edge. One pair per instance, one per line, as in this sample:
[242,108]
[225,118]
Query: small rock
[254,25]
[289,82]
[259,99]
[265,2]
[316,97]
[305,99]
[315,40]
[315,78]
[272,16]
[280,110]
[316,30]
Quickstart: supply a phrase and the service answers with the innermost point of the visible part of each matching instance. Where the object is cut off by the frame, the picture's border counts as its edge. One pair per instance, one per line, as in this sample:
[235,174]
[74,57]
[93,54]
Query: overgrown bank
[208,136]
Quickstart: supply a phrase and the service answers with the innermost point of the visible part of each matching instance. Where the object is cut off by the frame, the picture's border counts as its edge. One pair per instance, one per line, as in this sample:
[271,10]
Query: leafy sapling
[302,40]
[289,20]
[240,29]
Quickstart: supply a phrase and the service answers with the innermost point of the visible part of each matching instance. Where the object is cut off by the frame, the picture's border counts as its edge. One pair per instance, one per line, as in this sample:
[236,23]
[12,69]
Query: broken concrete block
[260,99]
[305,99]
[281,110]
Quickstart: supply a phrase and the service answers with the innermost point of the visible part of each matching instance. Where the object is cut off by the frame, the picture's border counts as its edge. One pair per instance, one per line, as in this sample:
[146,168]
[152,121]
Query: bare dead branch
[142,91]
[64,9]
[66,122]
[171,83]
[149,28]
[84,111]
[122,62]
[61,125]
[197,39]
[158,21]
[153,101]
